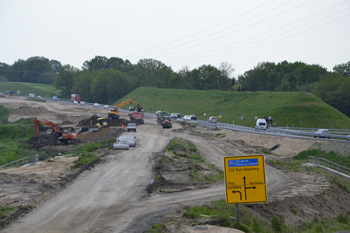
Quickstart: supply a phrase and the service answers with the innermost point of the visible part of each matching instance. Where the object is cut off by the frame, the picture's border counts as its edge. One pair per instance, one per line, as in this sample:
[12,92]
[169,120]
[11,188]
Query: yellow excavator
[114,114]
[101,123]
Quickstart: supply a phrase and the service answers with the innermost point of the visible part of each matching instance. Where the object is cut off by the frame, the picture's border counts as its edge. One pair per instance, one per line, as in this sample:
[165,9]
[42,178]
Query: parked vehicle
[178,115]
[261,124]
[186,118]
[213,119]
[322,133]
[96,105]
[193,117]
[106,106]
[75,97]
[31,96]
[131,127]
[54,97]
[173,115]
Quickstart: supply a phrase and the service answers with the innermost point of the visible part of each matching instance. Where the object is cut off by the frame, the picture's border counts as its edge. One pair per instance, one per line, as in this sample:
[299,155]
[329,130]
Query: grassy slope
[284,107]
[25,89]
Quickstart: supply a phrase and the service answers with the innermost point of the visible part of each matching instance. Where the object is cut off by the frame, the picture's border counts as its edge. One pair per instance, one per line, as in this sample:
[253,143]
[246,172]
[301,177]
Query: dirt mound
[101,135]
[93,120]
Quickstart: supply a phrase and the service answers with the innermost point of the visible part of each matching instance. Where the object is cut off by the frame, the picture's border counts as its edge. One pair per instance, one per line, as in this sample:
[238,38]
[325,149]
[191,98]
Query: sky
[178,33]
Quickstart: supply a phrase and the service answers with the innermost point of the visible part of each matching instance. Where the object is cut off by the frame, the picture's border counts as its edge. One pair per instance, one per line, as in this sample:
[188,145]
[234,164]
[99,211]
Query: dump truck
[166,123]
[136,117]
[161,116]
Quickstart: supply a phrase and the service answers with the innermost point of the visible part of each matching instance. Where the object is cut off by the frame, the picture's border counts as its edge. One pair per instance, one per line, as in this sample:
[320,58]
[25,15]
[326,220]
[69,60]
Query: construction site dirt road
[112,196]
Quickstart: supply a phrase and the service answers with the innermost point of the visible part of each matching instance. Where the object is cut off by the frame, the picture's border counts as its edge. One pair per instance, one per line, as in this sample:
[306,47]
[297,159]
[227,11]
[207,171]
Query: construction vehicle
[136,117]
[161,116]
[101,123]
[166,123]
[114,114]
[59,137]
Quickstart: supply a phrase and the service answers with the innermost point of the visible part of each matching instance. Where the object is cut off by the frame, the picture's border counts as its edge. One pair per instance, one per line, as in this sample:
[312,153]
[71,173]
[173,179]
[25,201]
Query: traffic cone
[122,126]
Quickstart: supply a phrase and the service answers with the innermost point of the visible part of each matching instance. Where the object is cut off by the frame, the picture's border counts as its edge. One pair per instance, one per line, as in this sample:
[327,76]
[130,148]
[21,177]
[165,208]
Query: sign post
[241,119]
[245,180]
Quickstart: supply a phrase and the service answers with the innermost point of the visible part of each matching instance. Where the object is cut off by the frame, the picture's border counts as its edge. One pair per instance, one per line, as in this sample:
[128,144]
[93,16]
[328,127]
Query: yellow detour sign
[245,179]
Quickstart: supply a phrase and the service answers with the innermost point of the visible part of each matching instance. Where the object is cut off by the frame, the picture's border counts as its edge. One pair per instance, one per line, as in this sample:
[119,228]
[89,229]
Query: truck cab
[261,124]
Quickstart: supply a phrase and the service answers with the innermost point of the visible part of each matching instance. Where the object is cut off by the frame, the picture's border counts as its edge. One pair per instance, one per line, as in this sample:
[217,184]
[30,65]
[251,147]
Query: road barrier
[329,164]
[27,160]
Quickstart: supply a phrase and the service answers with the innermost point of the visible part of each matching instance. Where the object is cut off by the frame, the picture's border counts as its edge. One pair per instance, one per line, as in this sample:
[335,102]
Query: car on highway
[157,112]
[178,115]
[106,106]
[348,138]
[39,97]
[213,119]
[96,105]
[131,109]
[75,102]
[187,118]
[322,133]
[82,102]
[173,115]
[54,98]
[193,117]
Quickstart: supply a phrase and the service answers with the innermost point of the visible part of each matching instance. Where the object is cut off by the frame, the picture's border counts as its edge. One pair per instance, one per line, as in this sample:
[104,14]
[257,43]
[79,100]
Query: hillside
[292,108]
[27,88]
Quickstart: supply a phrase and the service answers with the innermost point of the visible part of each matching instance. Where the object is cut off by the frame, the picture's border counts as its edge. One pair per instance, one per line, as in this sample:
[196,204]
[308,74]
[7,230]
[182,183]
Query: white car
[348,138]
[75,102]
[186,118]
[322,133]
[213,119]
[82,102]
[96,105]
[106,106]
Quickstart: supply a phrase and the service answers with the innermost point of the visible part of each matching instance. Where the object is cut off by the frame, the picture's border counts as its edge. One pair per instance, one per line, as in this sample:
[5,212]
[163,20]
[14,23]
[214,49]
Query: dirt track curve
[111,197]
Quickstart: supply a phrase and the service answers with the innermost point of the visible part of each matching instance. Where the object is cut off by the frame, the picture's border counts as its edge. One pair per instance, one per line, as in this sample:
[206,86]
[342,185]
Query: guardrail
[329,164]
[298,128]
[30,159]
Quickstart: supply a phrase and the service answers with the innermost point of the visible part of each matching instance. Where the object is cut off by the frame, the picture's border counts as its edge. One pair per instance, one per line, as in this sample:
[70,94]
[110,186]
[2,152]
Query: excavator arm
[115,113]
[44,122]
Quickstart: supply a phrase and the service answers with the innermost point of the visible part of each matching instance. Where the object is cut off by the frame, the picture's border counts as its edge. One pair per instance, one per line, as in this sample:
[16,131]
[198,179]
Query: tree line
[105,80]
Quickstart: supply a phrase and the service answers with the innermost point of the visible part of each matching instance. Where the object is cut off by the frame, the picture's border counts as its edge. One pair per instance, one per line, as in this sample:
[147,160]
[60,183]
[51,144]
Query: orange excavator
[58,135]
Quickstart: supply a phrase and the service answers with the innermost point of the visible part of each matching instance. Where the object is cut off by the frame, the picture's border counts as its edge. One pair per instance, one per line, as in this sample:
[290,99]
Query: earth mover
[114,113]
[101,123]
[59,137]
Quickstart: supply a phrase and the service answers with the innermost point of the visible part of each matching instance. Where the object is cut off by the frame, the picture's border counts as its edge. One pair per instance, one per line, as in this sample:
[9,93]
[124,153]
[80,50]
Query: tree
[96,63]
[154,73]
[343,69]
[3,70]
[55,65]
[64,80]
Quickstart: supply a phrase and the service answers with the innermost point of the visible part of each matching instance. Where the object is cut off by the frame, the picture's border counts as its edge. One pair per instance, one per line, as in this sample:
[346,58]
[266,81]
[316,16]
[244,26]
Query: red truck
[136,117]
[75,97]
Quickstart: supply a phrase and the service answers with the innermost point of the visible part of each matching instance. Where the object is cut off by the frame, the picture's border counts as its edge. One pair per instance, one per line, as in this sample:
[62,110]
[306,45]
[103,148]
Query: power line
[231,32]
[103,28]
[225,47]
[274,40]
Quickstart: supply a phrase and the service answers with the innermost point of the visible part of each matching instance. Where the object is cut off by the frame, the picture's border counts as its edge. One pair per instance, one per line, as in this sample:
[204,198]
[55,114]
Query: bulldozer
[59,137]
[101,123]
[114,113]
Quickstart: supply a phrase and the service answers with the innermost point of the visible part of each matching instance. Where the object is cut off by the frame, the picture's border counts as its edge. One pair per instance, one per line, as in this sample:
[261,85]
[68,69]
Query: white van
[260,124]
[31,96]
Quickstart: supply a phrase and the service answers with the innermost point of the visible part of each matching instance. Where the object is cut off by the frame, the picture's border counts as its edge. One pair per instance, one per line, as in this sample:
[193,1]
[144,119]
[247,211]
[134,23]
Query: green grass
[284,107]
[186,150]
[331,156]
[5,210]
[4,114]
[85,158]
[44,90]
